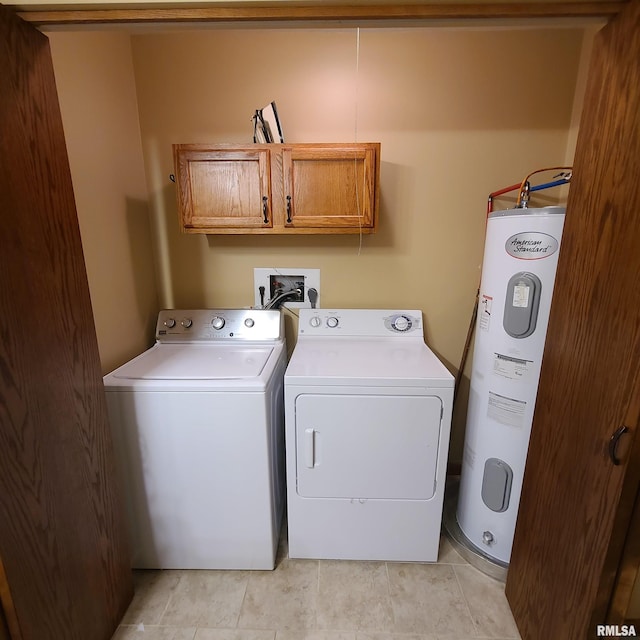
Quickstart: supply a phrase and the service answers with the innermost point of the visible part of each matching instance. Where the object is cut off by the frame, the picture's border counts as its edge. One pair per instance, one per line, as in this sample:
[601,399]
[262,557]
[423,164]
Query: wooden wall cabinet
[277,188]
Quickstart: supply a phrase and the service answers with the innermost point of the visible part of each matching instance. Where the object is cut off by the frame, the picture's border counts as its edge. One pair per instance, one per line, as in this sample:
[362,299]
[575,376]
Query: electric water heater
[518,274]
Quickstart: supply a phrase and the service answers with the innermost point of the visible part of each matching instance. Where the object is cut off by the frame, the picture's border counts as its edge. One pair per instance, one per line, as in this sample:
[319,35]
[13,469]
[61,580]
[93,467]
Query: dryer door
[362,446]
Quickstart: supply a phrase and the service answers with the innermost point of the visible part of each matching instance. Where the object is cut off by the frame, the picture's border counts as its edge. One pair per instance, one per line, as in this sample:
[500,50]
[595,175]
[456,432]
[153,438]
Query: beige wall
[581,84]
[459,113]
[94,76]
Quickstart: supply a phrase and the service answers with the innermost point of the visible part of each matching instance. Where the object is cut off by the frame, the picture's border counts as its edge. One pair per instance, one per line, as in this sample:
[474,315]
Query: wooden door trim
[319,11]
[622,565]
[622,560]
[9,614]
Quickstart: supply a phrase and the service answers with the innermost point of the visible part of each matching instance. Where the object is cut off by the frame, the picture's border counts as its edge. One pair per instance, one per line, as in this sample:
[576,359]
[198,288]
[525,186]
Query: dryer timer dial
[401,323]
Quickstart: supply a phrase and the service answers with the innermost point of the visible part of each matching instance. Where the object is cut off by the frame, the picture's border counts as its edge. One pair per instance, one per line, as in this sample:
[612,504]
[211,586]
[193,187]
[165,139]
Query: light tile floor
[321,600]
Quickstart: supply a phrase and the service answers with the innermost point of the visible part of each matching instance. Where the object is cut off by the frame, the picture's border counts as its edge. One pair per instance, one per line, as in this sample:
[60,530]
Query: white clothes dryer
[367,419]
[198,430]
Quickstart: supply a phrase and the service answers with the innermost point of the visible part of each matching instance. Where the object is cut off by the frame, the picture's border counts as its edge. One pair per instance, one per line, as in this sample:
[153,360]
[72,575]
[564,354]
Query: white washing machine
[367,420]
[198,431]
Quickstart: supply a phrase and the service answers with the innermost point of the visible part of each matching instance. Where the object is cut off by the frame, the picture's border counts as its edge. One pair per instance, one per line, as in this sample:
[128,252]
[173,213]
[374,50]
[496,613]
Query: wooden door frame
[273,12]
[8,617]
[628,568]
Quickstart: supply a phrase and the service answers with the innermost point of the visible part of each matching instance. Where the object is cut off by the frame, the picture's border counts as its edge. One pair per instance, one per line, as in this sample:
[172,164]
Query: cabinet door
[580,483]
[223,190]
[63,538]
[331,187]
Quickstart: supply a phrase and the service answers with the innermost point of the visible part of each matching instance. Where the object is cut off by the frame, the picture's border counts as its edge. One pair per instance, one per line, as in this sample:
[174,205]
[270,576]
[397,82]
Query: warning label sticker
[485,312]
[521,296]
[505,410]
[511,368]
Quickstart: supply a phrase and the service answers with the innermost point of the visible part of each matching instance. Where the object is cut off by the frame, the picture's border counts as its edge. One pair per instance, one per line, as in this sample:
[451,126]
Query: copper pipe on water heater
[523,186]
[500,192]
[524,189]
[467,345]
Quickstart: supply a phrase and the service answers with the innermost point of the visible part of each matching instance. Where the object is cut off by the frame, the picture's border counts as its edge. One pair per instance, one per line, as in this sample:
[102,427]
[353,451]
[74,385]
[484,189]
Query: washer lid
[196,362]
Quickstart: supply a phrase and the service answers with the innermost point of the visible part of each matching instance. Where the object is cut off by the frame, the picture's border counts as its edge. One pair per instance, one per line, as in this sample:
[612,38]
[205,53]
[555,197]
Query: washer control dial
[249,322]
[217,322]
[332,322]
[187,323]
[315,321]
[401,323]
[170,323]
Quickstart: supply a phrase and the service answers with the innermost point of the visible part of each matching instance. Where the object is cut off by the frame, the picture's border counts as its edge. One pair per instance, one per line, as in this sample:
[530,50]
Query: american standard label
[531,245]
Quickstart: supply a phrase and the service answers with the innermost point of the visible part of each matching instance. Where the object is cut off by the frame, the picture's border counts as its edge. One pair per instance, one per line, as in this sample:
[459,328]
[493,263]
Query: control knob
[332,322]
[401,323]
[315,321]
[187,323]
[249,322]
[217,323]
[170,323]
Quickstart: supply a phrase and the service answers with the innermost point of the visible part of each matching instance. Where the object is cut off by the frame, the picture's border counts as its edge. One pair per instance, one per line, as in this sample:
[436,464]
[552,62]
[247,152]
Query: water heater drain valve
[487,538]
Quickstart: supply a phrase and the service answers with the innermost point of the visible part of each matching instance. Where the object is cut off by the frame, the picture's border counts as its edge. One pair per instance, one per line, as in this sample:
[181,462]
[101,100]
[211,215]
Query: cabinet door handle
[288,209]
[265,200]
[613,444]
